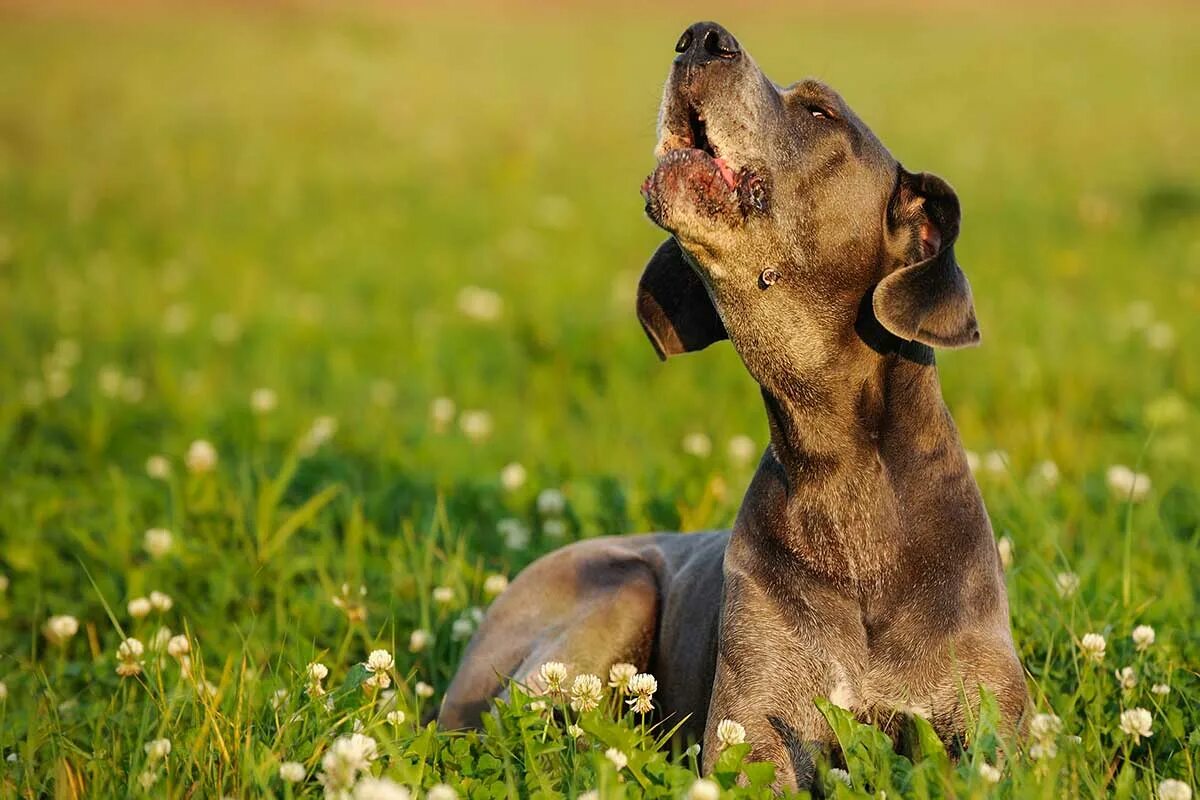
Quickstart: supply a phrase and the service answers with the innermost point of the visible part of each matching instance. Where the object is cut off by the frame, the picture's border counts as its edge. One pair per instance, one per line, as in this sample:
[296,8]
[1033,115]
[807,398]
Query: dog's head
[789,221]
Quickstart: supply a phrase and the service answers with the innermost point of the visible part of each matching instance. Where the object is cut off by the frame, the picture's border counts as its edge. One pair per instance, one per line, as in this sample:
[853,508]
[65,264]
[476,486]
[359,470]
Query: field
[374,256]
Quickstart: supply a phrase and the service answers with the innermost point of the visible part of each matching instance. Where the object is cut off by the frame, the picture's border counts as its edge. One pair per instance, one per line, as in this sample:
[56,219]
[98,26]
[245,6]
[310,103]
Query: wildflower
[1160,336]
[147,779]
[1160,689]
[552,675]
[1004,545]
[704,789]
[157,542]
[158,749]
[1137,722]
[476,424]
[586,693]
[495,585]
[441,411]
[1127,678]
[185,666]
[995,462]
[351,605]
[697,444]
[160,640]
[590,794]
[973,460]
[321,431]
[1045,726]
[59,628]
[538,706]
[618,759]
[1171,789]
[418,640]
[482,305]
[989,773]
[441,791]
[730,733]
[279,698]
[462,628]
[1046,473]
[1067,584]
[345,759]
[741,449]
[3,691]
[129,657]
[555,528]
[158,467]
[619,676]
[1093,646]
[443,595]
[642,686]
[371,788]
[207,689]
[291,771]
[551,502]
[1125,484]
[512,477]
[179,646]
[514,533]
[201,457]
[1043,751]
[574,731]
[1143,637]
[379,663]
[395,717]
[423,689]
[840,775]
[263,400]
[161,602]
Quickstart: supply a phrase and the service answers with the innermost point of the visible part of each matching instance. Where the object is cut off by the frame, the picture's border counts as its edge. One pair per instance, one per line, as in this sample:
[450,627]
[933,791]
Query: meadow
[318,326]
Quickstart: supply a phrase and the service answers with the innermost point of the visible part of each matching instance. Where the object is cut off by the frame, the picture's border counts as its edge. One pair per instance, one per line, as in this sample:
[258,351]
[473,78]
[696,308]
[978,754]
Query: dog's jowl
[862,566]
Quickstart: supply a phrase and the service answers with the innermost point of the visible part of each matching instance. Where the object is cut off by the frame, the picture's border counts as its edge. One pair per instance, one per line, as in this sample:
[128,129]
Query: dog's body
[862,566]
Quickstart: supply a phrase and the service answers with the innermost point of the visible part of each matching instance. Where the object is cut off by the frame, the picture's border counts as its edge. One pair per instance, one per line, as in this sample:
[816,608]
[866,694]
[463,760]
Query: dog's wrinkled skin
[862,565]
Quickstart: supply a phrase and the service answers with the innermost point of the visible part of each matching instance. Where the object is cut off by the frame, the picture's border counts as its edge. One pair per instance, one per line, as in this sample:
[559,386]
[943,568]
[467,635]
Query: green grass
[195,203]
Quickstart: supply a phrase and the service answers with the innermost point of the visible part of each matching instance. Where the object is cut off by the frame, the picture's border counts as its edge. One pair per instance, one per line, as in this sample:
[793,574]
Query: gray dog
[862,566]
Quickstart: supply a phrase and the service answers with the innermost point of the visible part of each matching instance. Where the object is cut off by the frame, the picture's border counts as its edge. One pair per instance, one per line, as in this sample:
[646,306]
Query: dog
[862,566]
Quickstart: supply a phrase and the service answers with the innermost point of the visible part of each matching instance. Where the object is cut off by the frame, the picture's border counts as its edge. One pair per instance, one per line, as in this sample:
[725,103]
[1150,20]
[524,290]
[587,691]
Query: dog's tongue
[726,173]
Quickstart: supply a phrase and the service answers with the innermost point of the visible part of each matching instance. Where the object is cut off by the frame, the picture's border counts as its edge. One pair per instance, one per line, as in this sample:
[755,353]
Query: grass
[198,202]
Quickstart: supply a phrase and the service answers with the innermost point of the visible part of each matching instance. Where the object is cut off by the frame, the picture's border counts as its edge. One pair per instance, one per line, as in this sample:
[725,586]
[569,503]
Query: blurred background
[424,222]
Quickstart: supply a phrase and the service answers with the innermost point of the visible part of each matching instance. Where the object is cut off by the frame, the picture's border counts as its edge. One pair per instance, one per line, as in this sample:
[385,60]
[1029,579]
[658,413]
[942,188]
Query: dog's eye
[819,112]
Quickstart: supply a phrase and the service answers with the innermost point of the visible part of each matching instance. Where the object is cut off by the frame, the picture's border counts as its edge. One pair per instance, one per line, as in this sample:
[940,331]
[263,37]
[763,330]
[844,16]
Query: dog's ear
[673,305]
[928,298]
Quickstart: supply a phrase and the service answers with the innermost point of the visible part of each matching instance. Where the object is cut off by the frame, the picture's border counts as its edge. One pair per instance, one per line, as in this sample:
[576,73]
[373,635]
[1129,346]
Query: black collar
[883,341]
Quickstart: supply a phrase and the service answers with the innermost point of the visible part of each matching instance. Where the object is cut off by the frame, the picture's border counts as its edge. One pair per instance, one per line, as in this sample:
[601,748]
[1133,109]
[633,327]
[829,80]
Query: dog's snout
[705,42]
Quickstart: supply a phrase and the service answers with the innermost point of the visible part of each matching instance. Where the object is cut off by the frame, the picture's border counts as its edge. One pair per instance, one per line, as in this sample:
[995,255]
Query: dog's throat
[884,342]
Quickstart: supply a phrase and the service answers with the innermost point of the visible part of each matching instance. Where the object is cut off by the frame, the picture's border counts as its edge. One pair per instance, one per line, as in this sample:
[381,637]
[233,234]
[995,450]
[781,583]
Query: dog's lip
[695,136]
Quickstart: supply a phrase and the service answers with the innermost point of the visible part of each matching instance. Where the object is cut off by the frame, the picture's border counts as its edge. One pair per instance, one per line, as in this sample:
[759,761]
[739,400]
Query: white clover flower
[351,605]
[495,585]
[158,467]
[1093,646]
[207,689]
[179,646]
[60,628]
[1143,637]
[551,502]
[185,666]
[157,542]
[441,411]
[1067,583]
[317,671]
[552,674]
[476,424]
[730,733]
[1160,336]
[995,463]
[642,686]
[1045,726]
[514,533]
[279,697]
[697,444]
[1125,484]
[345,759]
[741,450]
[322,430]
[160,640]
[160,601]
[840,775]
[418,640]
[618,759]
[1043,751]
[443,595]
[989,773]
[461,629]
[396,717]
[590,794]
[479,304]
[1160,689]
[379,661]
[1137,722]
[147,779]
[538,706]
[704,789]
[512,477]
[586,693]
[441,791]
[263,400]
[1171,789]
[1004,546]
[201,457]
[129,657]
[619,676]
[371,788]
[574,731]
[157,749]
[291,771]
[423,689]
[555,528]
[1046,473]
[139,607]
[973,460]
[1127,678]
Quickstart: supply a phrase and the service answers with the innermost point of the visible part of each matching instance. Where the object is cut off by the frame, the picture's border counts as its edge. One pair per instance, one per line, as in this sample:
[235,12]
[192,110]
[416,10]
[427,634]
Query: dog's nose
[705,42]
